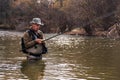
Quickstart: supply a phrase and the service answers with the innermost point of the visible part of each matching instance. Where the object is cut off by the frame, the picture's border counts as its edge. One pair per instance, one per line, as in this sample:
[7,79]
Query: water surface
[69,58]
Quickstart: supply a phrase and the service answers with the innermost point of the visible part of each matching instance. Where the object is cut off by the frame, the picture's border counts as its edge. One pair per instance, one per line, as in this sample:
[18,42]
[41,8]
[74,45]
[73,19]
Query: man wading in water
[34,46]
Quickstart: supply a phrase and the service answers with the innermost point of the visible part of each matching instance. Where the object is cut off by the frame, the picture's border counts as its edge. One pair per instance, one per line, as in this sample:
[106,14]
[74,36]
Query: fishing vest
[36,49]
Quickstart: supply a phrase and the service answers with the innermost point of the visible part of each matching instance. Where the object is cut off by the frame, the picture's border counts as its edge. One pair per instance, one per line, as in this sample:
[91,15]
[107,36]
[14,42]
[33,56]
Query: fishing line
[91,51]
[60,33]
[113,45]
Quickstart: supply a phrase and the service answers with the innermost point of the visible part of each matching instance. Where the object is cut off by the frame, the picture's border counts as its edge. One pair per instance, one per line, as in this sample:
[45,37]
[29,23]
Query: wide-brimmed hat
[37,21]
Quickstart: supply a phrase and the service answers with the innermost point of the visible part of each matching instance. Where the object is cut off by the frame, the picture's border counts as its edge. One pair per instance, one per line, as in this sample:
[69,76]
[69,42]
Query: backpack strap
[34,35]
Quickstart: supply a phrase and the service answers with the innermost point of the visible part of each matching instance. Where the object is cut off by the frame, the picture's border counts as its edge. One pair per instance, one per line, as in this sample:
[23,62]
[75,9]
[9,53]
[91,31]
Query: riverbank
[5,32]
[112,32]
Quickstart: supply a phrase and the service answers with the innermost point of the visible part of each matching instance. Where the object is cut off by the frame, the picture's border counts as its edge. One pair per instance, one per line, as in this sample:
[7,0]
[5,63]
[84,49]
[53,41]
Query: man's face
[35,27]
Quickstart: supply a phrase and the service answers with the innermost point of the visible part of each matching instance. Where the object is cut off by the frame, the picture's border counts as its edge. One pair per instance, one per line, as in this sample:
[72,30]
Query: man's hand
[39,41]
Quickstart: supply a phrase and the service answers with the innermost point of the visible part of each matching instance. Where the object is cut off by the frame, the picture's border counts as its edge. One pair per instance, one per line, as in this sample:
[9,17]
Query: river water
[69,58]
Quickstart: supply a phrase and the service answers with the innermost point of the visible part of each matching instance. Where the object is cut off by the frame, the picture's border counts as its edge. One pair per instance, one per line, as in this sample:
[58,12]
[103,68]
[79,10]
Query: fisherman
[33,40]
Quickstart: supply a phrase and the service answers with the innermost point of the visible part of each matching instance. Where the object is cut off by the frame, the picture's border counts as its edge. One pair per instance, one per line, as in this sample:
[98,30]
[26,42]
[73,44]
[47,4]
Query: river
[69,57]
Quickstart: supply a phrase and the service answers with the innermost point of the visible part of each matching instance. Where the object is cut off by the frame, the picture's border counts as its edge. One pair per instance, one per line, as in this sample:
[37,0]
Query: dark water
[69,58]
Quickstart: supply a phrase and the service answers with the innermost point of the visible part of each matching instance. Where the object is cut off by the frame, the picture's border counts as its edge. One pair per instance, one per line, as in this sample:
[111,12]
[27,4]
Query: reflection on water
[69,58]
[85,58]
[34,70]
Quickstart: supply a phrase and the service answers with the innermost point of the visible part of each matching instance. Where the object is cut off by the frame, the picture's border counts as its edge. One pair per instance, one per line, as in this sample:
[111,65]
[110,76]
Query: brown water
[69,58]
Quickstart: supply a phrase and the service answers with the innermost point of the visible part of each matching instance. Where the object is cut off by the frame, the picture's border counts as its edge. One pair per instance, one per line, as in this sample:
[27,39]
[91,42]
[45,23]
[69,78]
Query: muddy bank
[81,31]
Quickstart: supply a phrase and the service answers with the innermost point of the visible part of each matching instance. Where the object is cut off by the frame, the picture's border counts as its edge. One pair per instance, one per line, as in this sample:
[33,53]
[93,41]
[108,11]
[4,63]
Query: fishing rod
[56,35]
[53,36]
